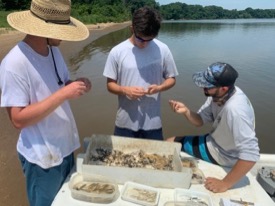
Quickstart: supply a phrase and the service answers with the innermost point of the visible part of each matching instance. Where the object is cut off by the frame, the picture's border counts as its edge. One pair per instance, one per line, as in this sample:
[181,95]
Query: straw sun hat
[50,19]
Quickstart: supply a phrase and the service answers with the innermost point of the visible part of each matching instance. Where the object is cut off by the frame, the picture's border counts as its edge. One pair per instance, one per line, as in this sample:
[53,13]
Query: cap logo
[212,74]
[209,77]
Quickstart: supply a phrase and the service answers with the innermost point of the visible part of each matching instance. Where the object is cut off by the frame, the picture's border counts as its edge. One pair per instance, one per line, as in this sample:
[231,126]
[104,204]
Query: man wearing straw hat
[35,86]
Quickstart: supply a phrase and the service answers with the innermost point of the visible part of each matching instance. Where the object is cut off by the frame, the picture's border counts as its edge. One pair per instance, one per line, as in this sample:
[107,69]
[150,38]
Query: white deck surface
[248,189]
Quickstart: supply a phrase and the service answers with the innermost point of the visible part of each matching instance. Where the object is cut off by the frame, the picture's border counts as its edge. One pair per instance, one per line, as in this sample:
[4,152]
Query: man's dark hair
[146,21]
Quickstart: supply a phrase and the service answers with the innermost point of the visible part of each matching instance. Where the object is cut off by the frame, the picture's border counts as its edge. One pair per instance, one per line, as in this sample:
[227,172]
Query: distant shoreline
[10,37]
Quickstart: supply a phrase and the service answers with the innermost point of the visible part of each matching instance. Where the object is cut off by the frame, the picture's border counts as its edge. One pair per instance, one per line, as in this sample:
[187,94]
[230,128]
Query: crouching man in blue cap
[232,141]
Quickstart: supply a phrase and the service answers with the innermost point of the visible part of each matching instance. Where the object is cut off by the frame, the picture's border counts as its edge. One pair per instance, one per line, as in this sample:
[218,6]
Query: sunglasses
[141,39]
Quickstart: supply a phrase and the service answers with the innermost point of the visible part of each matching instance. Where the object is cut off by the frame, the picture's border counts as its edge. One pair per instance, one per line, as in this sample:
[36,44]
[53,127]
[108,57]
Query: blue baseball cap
[216,75]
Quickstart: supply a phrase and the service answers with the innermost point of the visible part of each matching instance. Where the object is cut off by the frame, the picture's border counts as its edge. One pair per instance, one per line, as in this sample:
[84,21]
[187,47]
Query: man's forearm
[194,118]
[23,117]
[168,83]
[238,171]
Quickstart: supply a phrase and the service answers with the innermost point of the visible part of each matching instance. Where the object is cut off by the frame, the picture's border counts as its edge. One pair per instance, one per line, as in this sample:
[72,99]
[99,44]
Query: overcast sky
[227,4]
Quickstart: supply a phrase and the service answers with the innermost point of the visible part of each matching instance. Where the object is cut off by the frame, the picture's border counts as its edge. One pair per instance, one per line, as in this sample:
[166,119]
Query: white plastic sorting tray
[96,196]
[180,177]
[140,194]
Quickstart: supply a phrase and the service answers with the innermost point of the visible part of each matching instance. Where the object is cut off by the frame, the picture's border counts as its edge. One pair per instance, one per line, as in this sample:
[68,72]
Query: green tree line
[98,11]
[183,11]
[87,11]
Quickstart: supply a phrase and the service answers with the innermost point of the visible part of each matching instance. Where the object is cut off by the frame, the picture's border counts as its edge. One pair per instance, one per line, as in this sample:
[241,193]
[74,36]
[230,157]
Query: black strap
[60,82]
[68,21]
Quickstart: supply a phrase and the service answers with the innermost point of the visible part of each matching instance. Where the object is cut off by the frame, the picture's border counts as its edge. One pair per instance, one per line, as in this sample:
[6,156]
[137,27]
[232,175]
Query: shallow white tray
[96,196]
[140,194]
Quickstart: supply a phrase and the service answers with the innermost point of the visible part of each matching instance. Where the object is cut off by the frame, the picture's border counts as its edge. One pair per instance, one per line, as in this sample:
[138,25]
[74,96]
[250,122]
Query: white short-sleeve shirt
[28,78]
[133,66]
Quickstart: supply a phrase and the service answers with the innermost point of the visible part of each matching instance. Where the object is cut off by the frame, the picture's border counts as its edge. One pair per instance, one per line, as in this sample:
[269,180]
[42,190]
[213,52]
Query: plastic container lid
[140,194]
[175,203]
[92,188]
[194,198]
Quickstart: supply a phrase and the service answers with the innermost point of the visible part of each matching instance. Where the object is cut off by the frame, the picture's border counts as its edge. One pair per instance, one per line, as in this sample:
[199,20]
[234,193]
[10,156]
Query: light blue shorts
[196,146]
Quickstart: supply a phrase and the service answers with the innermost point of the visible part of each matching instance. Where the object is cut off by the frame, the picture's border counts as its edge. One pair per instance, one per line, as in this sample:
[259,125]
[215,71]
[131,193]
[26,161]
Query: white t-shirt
[27,78]
[133,66]
[233,135]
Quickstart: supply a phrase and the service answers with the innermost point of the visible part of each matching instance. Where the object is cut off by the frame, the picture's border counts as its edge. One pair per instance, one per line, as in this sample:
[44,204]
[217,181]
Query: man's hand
[87,83]
[216,185]
[133,93]
[153,89]
[74,90]
[238,171]
[170,139]
[178,107]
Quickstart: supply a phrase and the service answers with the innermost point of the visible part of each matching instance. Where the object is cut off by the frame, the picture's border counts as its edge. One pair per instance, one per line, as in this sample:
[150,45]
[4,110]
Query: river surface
[248,45]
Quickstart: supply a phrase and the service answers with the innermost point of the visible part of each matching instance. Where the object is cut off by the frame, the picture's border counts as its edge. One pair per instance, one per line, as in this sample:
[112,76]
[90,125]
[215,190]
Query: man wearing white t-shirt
[138,70]
[232,142]
[36,90]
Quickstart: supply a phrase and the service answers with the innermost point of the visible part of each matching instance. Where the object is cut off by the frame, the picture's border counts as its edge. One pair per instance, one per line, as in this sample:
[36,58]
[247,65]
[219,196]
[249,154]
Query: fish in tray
[192,198]
[140,194]
[95,187]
